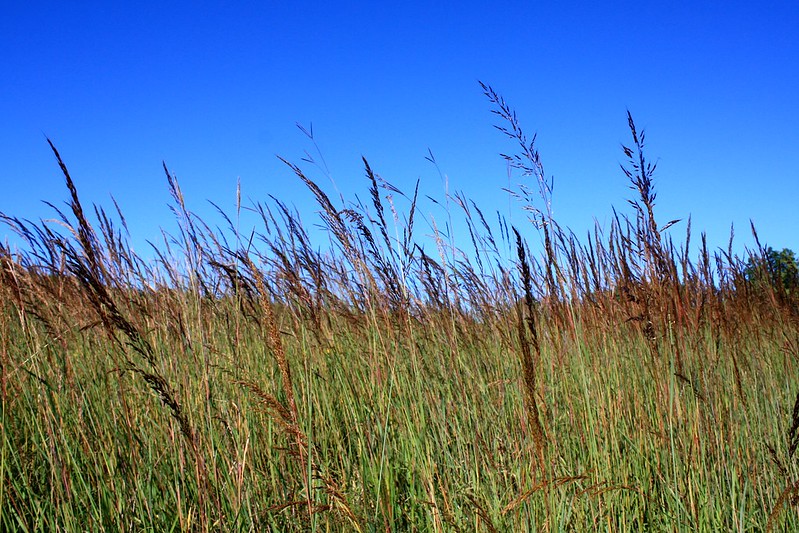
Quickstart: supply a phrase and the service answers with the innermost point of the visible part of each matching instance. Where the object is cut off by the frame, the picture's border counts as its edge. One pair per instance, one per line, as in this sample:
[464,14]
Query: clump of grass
[394,380]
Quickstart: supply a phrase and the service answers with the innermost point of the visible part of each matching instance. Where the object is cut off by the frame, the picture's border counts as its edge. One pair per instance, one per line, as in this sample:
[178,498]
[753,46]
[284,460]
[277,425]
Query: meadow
[531,380]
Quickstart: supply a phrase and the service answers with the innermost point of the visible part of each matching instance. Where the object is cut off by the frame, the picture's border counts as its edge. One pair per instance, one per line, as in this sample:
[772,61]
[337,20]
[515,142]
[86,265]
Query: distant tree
[778,269]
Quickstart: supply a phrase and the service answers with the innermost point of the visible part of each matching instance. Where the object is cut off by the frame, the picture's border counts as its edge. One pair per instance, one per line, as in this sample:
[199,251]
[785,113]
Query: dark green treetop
[776,268]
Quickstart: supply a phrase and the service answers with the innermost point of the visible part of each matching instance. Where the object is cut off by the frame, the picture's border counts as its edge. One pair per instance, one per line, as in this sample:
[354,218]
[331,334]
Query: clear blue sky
[215,92]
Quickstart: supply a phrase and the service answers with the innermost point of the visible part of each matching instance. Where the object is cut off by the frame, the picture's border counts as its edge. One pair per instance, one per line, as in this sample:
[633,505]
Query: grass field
[258,383]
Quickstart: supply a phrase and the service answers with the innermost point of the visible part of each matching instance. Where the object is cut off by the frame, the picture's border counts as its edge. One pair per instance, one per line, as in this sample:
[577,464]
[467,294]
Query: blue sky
[215,90]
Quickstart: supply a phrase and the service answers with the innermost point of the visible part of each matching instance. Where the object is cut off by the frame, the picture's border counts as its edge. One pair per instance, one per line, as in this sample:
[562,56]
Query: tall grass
[259,383]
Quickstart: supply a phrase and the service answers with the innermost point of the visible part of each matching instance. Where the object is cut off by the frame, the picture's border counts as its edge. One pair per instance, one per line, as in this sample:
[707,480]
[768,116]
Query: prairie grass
[260,383]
